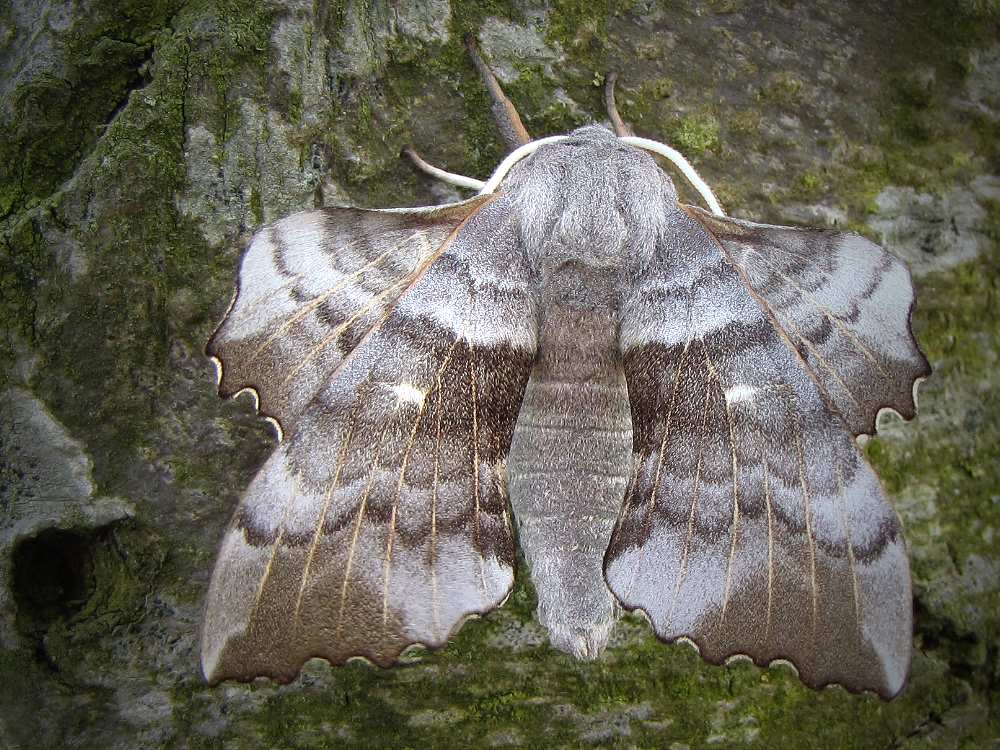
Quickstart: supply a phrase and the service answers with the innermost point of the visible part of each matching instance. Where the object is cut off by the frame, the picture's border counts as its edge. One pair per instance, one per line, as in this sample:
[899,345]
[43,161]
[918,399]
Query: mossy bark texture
[141,144]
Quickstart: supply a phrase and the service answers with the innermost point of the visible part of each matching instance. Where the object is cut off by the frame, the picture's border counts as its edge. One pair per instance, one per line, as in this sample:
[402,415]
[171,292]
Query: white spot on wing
[408,393]
[739,393]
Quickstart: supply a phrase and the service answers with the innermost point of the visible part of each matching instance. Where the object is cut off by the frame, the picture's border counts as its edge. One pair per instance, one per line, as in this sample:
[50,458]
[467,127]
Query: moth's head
[593,133]
[591,155]
[590,192]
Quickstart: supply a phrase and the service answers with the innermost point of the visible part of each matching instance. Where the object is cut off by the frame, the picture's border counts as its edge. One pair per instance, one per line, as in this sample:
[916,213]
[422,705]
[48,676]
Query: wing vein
[296,315]
[666,436]
[850,545]
[475,466]
[327,501]
[438,377]
[651,504]
[337,332]
[770,540]
[435,605]
[736,505]
[357,530]
[837,322]
[682,569]
[399,489]
[266,575]
[807,500]
[825,364]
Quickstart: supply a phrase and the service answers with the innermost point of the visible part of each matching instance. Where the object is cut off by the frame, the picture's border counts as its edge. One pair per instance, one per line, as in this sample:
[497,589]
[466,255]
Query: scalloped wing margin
[311,287]
[383,521]
[841,302]
[752,524]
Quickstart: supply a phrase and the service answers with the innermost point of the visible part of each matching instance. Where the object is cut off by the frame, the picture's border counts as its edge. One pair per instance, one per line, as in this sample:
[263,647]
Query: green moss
[922,147]
[468,16]
[695,134]
[76,587]
[21,702]
[59,116]
[24,262]
[952,460]
[56,119]
[543,114]
[560,700]
[241,41]
[579,24]
[295,105]
[811,184]
[256,208]
[745,123]
[378,117]
[657,88]
[923,143]
[123,565]
[104,361]
[784,90]
[726,6]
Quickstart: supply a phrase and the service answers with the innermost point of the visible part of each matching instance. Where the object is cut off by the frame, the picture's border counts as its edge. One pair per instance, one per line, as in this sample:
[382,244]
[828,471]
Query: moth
[664,399]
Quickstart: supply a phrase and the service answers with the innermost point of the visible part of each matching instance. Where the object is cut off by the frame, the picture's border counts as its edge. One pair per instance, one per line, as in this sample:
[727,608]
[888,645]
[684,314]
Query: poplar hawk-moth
[665,399]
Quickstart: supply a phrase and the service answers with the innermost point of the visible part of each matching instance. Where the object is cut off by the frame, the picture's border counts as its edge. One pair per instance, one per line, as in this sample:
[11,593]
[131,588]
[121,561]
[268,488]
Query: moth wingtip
[210,664]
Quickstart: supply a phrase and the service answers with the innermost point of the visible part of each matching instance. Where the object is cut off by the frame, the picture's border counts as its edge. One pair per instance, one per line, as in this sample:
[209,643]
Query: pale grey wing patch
[384,520]
[751,524]
[843,303]
[310,288]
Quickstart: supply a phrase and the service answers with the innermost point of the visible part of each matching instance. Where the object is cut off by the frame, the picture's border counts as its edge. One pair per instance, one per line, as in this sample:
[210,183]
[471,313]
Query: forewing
[752,524]
[383,521]
[310,287]
[842,302]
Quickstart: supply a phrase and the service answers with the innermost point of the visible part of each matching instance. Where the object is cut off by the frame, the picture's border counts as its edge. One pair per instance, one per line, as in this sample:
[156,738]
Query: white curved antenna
[455,179]
[681,163]
[513,158]
[644,143]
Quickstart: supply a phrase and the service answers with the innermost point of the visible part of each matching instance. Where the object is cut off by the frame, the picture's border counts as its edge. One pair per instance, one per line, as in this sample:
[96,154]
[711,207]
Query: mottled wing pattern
[383,520]
[843,302]
[752,524]
[310,287]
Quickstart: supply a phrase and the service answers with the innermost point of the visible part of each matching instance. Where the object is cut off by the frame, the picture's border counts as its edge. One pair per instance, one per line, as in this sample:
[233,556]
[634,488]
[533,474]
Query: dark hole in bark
[53,574]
